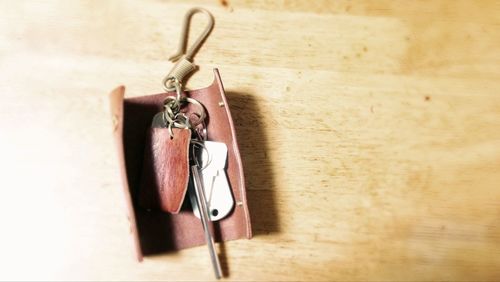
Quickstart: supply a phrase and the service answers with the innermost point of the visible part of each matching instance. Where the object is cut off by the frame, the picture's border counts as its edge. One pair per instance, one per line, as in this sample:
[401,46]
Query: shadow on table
[254,148]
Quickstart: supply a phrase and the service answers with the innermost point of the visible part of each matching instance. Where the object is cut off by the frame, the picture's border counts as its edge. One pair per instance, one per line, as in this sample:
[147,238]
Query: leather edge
[218,81]
[116,98]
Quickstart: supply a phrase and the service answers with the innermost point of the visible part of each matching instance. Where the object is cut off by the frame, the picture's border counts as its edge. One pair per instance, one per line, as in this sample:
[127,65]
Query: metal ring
[167,117]
[170,114]
[167,85]
[176,124]
[179,123]
[201,113]
[201,132]
[172,103]
[179,120]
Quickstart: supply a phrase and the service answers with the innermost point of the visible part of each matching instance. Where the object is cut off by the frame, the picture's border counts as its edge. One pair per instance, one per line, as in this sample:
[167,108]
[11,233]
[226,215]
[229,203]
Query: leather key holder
[170,226]
[165,169]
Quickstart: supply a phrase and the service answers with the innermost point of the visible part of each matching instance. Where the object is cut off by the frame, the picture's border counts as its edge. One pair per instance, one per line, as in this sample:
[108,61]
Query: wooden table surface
[369,132]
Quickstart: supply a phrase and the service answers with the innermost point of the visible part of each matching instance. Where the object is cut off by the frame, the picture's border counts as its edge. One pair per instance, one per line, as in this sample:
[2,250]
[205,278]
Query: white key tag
[217,190]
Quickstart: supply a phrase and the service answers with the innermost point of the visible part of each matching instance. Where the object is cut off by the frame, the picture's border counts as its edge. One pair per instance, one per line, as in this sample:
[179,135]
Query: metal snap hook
[185,65]
[185,34]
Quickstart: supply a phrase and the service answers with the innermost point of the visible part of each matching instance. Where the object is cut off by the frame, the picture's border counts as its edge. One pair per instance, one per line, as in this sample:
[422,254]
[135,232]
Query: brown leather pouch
[156,231]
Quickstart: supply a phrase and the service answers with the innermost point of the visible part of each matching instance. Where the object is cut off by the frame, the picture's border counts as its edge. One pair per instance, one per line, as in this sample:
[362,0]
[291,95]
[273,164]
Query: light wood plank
[369,132]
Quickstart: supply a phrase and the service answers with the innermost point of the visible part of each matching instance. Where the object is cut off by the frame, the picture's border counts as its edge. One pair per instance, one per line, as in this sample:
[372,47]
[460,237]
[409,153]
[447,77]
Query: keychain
[180,162]
[180,155]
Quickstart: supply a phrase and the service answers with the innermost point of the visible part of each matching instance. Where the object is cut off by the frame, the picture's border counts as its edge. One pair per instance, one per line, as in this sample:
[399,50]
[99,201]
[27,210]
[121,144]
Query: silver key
[220,201]
[202,203]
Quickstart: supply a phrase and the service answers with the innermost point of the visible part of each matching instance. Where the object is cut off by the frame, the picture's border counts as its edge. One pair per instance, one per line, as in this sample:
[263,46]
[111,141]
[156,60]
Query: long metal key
[203,208]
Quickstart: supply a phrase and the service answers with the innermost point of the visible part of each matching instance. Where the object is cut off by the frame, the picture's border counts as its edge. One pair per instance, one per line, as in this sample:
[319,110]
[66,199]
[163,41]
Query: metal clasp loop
[185,65]
[185,34]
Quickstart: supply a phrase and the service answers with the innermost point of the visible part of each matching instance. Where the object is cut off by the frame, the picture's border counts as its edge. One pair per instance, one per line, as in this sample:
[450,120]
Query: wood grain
[369,133]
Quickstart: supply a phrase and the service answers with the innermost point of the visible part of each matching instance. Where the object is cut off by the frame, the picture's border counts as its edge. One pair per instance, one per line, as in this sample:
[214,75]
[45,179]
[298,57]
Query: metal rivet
[221,104]
[239,203]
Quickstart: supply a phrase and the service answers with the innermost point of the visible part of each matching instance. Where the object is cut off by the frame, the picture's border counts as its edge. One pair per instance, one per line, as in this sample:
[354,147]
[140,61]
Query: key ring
[170,115]
[177,86]
[177,122]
